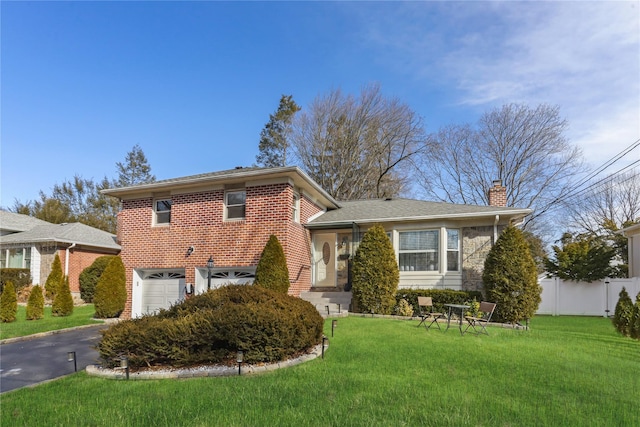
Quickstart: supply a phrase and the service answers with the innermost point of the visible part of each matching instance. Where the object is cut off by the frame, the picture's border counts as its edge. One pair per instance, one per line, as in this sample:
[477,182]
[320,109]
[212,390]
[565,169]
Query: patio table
[457,309]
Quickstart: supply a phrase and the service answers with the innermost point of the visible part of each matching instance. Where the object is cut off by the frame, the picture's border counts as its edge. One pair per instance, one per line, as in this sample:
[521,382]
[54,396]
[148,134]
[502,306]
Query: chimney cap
[497,183]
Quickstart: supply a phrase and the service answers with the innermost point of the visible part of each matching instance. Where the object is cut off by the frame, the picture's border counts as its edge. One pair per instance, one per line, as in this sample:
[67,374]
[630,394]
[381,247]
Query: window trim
[296,207]
[227,205]
[457,250]
[156,213]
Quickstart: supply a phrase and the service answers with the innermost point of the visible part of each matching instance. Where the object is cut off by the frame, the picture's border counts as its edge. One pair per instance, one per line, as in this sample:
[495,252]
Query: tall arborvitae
[623,314]
[510,278]
[63,302]
[8,303]
[272,271]
[54,280]
[111,293]
[35,304]
[375,273]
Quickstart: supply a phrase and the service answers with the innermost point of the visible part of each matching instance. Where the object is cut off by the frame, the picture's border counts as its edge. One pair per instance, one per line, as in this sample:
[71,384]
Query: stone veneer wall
[476,244]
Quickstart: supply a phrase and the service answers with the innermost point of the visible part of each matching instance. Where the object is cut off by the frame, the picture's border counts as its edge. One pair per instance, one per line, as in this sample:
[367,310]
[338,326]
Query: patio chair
[479,324]
[426,313]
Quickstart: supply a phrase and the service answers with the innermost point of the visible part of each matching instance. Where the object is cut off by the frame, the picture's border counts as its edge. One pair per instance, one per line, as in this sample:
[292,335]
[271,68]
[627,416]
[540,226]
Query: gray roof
[14,222]
[76,232]
[232,176]
[387,210]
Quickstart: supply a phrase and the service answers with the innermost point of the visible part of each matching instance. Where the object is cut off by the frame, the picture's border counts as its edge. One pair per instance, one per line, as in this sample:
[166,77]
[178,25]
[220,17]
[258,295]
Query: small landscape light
[71,357]
[239,359]
[334,324]
[324,343]
[124,364]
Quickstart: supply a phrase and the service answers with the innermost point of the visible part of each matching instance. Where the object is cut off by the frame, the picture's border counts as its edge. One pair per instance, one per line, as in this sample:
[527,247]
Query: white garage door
[239,276]
[161,289]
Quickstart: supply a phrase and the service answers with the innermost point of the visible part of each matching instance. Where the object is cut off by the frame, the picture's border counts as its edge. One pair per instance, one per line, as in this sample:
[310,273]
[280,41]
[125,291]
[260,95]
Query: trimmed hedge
[272,271]
[111,292]
[20,277]
[63,302]
[35,304]
[440,297]
[55,279]
[623,314]
[8,304]
[210,328]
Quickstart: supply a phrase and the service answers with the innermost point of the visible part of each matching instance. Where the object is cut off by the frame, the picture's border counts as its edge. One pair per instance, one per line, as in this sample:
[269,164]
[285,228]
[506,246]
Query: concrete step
[329,303]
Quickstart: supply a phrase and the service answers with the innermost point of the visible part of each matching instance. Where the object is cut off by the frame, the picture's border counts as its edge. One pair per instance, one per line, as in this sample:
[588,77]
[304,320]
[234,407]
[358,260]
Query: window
[419,250]
[16,258]
[453,250]
[163,211]
[296,207]
[236,202]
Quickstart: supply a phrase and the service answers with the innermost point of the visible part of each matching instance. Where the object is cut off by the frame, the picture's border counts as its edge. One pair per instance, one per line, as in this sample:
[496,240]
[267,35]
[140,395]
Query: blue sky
[193,83]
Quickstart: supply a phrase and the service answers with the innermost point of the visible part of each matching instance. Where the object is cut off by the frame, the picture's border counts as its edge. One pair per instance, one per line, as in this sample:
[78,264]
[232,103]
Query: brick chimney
[498,194]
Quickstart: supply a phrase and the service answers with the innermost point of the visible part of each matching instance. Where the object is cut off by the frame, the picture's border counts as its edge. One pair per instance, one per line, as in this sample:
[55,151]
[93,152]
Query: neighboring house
[632,233]
[169,229]
[27,242]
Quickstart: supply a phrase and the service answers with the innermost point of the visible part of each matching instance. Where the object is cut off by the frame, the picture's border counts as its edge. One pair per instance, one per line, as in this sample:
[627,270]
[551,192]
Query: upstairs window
[162,211]
[236,202]
[419,250]
[296,207]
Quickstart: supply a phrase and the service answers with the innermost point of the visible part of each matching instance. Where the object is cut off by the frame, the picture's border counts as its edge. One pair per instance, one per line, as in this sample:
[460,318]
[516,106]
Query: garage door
[239,276]
[161,289]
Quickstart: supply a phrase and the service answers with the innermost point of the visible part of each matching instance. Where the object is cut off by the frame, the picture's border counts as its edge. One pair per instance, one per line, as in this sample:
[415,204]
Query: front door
[324,260]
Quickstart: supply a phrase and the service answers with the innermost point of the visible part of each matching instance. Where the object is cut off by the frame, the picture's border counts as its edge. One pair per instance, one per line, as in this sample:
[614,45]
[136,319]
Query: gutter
[495,229]
[66,259]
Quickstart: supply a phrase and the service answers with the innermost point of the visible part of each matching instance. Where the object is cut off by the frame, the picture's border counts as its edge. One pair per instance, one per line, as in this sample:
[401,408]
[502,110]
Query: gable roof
[68,233]
[227,177]
[388,210]
[13,222]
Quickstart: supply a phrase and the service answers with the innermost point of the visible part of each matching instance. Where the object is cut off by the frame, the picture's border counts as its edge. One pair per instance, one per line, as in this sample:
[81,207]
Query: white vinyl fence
[563,297]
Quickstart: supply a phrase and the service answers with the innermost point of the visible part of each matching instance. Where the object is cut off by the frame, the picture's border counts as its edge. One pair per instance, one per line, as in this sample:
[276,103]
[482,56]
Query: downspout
[495,229]
[66,259]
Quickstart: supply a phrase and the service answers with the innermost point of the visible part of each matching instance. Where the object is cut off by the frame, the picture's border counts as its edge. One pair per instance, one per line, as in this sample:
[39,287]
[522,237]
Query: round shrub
[111,291]
[89,277]
[35,304]
[272,271]
[8,304]
[210,328]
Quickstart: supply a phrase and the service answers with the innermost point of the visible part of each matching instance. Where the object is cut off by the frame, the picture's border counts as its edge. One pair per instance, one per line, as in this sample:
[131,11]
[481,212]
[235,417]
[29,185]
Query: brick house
[170,229]
[27,242]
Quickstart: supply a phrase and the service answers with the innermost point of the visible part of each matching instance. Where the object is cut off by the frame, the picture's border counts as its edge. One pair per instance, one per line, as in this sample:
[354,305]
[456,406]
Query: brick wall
[197,220]
[476,244]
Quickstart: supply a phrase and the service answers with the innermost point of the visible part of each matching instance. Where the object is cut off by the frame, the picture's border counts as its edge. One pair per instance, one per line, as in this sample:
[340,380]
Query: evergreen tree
[35,304]
[90,276]
[111,293]
[623,314]
[274,142]
[8,303]
[510,278]
[583,259]
[63,302]
[135,169]
[375,273]
[635,320]
[272,271]
[54,280]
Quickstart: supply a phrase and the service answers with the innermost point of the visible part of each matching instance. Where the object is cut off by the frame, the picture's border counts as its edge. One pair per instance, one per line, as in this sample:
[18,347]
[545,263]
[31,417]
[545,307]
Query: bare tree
[522,146]
[358,148]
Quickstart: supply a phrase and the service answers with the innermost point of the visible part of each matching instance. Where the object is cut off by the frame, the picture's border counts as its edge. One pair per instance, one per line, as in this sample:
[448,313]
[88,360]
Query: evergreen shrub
[35,304]
[54,280]
[635,319]
[90,276]
[63,301]
[375,274]
[8,304]
[510,278]
[110,294]
[272,271]
[623,314]
[210,328]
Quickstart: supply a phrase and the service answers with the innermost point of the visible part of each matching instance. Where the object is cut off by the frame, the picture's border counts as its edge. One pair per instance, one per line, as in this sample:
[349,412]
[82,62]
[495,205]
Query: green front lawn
[82,315]
[565,371]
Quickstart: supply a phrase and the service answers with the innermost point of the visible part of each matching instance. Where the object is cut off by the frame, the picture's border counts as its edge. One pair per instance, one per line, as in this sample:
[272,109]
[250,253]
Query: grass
[565,371]
[82,315]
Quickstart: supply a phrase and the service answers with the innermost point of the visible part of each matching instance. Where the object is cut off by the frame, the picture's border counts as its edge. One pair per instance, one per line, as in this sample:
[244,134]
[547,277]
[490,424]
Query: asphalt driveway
[31,361]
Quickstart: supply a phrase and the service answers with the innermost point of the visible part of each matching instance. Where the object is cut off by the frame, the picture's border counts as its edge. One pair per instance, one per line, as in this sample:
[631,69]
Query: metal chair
[479,324]
[426,313]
